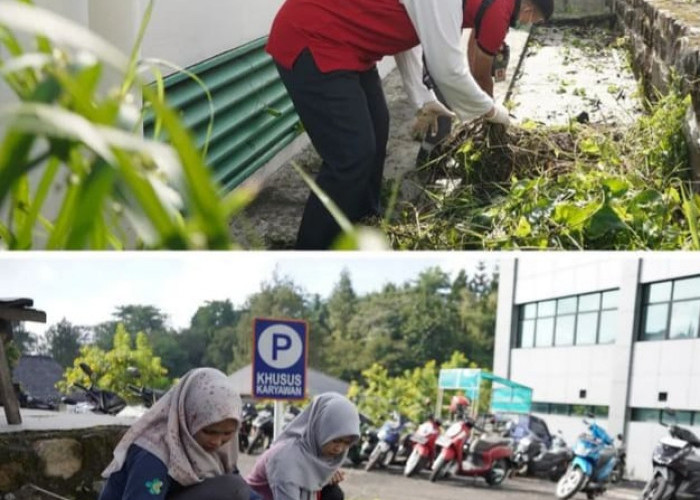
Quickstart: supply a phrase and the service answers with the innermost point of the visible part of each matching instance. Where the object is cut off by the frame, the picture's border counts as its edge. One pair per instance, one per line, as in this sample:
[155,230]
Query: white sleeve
[438,24]
[410,65]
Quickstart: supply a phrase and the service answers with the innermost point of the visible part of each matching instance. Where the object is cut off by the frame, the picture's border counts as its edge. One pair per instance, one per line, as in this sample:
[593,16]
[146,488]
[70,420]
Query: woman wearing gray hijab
[185,447]
[304,462]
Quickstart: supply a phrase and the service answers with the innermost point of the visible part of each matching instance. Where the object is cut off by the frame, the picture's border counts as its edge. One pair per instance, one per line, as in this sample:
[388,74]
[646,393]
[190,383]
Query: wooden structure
[13,310]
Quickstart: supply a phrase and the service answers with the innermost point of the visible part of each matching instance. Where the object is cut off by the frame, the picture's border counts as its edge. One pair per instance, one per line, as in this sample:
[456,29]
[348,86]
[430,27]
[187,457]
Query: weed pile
[579,186]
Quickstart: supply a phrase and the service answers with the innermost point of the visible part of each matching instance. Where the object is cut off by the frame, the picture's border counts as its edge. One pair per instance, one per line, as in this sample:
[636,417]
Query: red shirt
[356,34]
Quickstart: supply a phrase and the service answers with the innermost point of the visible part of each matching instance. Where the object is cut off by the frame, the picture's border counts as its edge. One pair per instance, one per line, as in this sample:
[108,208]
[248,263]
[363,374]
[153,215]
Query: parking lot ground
[390,484]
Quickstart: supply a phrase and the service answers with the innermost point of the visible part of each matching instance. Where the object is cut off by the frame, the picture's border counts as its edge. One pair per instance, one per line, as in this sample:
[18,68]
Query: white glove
[427,119]
[498,114]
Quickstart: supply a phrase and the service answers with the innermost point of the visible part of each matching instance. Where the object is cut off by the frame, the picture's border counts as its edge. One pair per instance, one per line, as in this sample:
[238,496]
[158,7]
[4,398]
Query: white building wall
[671,366]
[557,374]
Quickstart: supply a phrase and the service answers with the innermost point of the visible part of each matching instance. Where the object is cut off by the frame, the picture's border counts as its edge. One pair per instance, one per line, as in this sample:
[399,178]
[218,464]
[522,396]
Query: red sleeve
[494,26]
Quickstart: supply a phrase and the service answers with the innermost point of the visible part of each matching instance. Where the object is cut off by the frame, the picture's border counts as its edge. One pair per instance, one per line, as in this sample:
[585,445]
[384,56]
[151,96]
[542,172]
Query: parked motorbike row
[468,449]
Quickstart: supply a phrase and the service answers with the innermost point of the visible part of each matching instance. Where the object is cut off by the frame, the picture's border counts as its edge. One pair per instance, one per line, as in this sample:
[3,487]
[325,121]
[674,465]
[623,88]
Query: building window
[686,418]
[671,310]
[576,320]
[570,410]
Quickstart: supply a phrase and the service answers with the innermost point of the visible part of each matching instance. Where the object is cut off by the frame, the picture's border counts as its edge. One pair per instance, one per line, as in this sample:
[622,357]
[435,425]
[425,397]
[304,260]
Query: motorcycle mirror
[619,436]
[133,372]
[86,368]
[590,415]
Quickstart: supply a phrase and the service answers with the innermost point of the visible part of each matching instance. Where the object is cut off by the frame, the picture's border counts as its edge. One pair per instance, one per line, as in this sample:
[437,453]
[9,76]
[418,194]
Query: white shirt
[438,24]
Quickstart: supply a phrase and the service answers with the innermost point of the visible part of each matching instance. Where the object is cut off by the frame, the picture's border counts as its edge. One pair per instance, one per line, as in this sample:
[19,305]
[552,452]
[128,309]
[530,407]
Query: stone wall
[665,37]
[67,462]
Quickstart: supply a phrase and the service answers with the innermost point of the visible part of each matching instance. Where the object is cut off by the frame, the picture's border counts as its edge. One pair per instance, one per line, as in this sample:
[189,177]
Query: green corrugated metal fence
[253,115]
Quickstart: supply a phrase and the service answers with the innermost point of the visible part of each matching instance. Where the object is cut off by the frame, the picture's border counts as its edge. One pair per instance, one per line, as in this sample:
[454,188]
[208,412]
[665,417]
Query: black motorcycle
[618,472]
[100,400]
[148,395]
[676,462]
[532,457]
[360,451]
[247,416]
[262,429]
[26,400]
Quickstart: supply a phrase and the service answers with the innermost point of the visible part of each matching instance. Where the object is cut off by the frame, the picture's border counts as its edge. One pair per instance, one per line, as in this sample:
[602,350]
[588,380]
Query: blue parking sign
[279,358]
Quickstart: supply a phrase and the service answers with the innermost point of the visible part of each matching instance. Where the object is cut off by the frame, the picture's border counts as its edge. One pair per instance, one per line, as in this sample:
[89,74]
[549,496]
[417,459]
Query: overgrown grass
[74,137]
[576,187]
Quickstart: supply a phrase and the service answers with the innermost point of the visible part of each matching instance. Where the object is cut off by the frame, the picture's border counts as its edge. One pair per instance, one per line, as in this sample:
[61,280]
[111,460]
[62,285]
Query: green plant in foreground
[581,188]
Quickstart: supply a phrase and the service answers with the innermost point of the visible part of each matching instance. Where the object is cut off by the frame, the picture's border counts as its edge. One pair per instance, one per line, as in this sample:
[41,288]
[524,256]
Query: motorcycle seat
[487,443]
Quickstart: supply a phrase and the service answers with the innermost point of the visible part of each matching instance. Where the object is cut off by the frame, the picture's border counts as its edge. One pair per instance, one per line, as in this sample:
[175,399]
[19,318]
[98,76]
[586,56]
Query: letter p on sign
[280,342]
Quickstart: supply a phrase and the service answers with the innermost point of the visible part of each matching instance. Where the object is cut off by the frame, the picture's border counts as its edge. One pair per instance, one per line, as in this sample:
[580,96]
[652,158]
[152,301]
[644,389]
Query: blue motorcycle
[389,443]
[594,460]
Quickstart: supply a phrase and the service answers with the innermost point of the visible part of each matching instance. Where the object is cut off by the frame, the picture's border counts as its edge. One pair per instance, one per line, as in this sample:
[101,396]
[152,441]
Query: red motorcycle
[424,449]
[488,457]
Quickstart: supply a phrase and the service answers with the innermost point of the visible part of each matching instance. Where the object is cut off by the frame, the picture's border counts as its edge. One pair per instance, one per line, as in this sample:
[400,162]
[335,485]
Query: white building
[616,334]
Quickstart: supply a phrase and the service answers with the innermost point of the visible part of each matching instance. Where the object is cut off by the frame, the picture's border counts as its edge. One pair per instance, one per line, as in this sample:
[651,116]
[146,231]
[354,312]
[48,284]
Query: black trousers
[347,119]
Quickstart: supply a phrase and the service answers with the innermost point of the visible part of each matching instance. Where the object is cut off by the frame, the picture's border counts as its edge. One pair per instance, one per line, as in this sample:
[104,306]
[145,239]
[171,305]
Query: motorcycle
[618,472]
[247,416]
[593,463]
[389,442]
[148,395]
[424,446]
[488,457]
[98,400]
[262,430]
[360,451]
[532,457]
[676,462]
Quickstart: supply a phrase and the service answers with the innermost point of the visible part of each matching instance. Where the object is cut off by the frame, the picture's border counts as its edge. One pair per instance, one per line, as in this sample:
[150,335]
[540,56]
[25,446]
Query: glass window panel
[683,417]
[608,327]
[655,322]
[559,409]
[686,289]
[645,415]
[610,299]
[601,411]
[589,302]
[539,408]
[684,319]
[546,308]
[567,305]
[586,328]
[659,292]
[529,310]
[545,332]
[564,334]
[527,333]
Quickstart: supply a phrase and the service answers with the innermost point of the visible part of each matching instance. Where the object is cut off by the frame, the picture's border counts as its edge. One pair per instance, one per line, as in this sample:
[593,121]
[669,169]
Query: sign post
[279,362]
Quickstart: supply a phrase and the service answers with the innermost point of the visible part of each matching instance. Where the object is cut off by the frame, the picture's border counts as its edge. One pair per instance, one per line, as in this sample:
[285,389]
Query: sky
[86,287]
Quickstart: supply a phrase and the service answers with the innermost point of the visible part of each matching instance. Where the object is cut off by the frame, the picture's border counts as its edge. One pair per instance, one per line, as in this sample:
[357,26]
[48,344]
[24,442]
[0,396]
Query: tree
[280,298]
[110,367]
[214,323]
[140,318]
[26,341]
[63,341]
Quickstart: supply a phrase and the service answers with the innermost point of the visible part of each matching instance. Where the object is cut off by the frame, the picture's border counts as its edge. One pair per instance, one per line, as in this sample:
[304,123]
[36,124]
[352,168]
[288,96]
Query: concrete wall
[665,37]
[557,374]
[66,462]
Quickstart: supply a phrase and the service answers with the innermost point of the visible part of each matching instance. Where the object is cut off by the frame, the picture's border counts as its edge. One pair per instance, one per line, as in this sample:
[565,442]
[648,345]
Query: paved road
[390,484]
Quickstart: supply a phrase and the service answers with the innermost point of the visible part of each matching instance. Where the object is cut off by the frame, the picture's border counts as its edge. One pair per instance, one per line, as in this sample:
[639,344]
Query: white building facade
[613,334]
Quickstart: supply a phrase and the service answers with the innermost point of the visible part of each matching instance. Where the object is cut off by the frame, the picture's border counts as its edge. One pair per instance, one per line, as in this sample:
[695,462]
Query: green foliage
[577,188]
[63,341]
[413,393]
[86,145]
[110,367]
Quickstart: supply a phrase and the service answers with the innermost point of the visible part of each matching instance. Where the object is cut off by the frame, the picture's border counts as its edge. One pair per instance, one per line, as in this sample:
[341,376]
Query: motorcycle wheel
[570,483]
[388,458]
[498,472]
[257,440]
[654,489]
[439,468]
[414,463]
[556,473]
[374,459]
